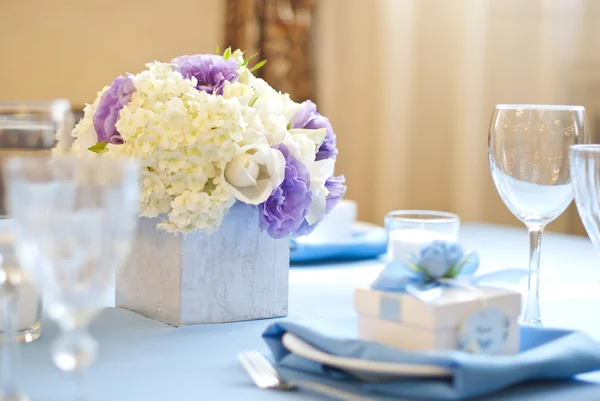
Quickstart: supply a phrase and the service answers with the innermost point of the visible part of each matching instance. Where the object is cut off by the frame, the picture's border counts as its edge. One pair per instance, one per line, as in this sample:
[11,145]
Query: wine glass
[585,173]
[27,129]
[77,216]
[529,160]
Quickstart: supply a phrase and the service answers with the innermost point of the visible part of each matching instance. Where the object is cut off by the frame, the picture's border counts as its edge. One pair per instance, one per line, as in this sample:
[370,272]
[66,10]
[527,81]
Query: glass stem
[10,356]
[80,386]
[73,351]
[532,309]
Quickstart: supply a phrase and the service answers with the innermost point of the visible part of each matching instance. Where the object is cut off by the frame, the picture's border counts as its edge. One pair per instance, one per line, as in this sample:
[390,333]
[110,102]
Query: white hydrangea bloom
[183,138]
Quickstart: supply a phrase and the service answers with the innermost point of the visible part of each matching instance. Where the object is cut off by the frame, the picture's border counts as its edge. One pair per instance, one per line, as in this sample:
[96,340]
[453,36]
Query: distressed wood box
[237,273]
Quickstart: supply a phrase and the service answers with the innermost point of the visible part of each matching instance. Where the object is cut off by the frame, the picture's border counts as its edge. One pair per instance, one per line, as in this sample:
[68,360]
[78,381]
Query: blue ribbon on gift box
[439,265]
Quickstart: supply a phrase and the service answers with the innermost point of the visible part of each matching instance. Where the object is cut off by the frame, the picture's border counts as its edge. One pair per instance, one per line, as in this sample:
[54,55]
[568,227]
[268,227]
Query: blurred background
[409,85]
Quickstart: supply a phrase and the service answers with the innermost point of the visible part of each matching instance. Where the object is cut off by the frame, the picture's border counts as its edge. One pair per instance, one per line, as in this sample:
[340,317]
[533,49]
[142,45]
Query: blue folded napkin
[546,354]
[362,245]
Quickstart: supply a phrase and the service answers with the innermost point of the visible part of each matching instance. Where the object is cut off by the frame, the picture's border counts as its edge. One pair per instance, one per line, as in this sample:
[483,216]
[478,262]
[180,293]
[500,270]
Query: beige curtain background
[72,49]
[409,86]
[278,31]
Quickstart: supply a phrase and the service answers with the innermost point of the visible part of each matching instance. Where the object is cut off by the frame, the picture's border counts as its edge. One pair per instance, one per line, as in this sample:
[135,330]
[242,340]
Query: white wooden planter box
[237,273]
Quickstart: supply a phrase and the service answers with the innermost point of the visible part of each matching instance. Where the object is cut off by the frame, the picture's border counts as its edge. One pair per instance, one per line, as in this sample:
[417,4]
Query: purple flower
[337,189]
[210,70]
[308,117]
[118,95]
[284,211]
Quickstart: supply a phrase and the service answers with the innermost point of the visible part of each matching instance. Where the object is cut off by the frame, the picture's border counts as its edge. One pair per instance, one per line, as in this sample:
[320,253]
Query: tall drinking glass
[78,217]
[27,129]
[529,160]
[585,173]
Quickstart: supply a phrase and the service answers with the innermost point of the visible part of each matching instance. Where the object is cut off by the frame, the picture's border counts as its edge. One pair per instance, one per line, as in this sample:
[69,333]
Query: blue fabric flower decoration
[440,259]
[436,261]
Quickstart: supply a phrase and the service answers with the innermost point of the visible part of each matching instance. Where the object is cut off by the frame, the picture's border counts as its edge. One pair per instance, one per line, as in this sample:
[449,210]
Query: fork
[264,375]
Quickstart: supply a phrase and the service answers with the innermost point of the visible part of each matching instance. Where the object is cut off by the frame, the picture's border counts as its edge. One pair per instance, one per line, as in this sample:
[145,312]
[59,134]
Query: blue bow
[440,264]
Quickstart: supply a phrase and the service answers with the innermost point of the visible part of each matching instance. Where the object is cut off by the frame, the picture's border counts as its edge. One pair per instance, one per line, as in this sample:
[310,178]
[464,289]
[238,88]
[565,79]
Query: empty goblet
[78,215]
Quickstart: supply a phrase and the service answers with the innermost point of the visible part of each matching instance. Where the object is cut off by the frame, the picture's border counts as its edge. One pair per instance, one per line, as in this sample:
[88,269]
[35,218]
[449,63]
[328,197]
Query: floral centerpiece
[207,132]
[227,160]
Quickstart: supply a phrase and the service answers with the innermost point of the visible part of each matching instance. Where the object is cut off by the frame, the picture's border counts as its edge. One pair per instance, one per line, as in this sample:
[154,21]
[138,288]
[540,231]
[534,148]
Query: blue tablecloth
[143,360]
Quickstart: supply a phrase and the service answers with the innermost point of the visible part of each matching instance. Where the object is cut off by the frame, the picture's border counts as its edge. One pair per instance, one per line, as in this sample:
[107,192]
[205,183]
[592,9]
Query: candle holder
[408,230]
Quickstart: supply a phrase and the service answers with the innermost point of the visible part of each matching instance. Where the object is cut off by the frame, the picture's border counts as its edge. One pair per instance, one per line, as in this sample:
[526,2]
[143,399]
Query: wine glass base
[26,335]
[533,323]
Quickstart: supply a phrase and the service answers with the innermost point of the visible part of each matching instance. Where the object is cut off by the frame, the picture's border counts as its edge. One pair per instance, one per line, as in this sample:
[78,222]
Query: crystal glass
[26,129]
[78,217]
[408,230]
[529,160]
[31,129]
[585,173]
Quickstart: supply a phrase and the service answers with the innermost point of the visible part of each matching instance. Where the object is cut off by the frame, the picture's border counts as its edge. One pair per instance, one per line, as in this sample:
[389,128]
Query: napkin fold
[546,354]
[362,245]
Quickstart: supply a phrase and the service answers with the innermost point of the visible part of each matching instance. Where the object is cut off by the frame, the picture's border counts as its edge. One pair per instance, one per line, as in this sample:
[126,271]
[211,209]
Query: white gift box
[237,273]
[483,321]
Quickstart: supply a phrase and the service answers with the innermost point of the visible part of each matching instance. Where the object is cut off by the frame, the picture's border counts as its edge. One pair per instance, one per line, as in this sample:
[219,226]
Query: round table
[145,360]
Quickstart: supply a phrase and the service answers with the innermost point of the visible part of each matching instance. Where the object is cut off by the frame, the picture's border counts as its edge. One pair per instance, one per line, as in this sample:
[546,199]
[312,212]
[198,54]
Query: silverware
[264,375]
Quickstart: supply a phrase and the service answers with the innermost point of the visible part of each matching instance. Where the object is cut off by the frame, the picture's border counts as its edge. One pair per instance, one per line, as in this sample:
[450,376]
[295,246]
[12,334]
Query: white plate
[360,367]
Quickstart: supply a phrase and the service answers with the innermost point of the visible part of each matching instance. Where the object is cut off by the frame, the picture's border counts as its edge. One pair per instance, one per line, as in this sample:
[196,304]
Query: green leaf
[454,270]
[227,53]
[100,147]
[246,61]
[289,125]
[415,268]
[258,65]
[457,268]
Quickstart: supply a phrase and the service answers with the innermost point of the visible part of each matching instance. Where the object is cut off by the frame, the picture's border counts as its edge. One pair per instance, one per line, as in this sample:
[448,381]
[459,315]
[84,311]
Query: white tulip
[319,172]
[254,173]
[242,171]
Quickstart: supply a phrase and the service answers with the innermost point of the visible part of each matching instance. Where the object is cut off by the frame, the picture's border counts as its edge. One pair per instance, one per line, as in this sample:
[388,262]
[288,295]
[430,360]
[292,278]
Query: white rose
[242,92]
[253,137]
[319,172]
[263,88]
[301,147]
[316,135]
[303,144]
[253,174]
[275,126]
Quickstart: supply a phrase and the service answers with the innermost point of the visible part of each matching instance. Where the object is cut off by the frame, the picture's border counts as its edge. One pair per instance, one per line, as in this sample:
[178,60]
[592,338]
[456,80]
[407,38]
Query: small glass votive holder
[408,230]
[28,313]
